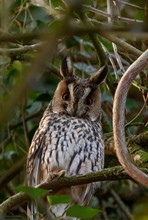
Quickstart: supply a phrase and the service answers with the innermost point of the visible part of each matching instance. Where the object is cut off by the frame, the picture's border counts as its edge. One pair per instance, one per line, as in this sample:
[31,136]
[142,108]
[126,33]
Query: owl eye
[89,101]
[65,96]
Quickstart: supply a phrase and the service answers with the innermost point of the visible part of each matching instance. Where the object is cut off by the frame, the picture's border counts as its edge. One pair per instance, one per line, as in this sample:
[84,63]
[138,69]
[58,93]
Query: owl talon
[57,175]
[61,173]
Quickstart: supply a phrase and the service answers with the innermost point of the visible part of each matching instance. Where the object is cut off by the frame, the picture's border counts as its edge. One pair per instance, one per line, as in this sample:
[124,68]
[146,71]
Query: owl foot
[55,175]
[51,177]
[61,173]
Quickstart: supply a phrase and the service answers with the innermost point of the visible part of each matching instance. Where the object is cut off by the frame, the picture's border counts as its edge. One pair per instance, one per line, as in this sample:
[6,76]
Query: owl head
[78,97]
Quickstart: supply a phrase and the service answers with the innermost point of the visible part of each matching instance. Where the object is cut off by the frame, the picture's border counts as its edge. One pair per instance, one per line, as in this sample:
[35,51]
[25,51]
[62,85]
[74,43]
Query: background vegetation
[34,37]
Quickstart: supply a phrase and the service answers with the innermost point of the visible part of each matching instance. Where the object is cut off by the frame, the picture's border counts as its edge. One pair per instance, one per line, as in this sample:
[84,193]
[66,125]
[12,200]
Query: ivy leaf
[17,65]
[60,199]
[33,192]
[81,212]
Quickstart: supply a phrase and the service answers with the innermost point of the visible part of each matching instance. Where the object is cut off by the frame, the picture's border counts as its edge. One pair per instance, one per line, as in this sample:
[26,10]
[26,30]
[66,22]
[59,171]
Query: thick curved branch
[118,119]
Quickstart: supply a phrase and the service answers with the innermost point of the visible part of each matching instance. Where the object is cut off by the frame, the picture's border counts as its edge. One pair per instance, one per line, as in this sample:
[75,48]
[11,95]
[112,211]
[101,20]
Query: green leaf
[60,199]
[17,65]
[33,192]
[81,212]
[57,3]
[85,43]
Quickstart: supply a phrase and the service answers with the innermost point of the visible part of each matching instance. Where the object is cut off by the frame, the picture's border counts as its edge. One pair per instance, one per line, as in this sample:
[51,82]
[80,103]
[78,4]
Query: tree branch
[108,15]
[114,173]
[141,140]
[134,144]
[118,119]
[95,40]
[21,49]
[12,172]
[121,205]
[121,43]
[12,202]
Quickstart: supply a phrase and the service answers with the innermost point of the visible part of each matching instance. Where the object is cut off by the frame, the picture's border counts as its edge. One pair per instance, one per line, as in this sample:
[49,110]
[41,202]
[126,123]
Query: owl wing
[34,173]
[34,159]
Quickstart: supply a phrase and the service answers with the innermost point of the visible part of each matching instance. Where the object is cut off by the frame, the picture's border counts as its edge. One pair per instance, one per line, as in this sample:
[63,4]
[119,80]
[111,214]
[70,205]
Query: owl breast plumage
[69,137]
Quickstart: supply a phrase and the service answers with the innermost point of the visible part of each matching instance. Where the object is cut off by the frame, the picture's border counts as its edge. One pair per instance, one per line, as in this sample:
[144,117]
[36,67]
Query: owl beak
[77,109]
[74,109]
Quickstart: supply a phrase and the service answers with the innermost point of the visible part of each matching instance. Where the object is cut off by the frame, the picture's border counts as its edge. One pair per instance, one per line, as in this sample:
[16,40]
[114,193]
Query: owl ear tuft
[99,76]
[66,69]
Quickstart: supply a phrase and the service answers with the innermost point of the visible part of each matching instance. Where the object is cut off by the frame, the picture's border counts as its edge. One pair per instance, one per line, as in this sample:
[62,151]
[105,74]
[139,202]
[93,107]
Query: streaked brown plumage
[69,138]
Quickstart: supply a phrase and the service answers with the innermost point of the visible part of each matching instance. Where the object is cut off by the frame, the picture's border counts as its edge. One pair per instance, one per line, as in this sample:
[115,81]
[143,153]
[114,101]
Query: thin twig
[111,61]
[121,43]
[133,119]
[29,117]
[12,172]
[132,5]
[95,40]
[103,214]
[111,21]
[121,205]
[21,49]
[100,12]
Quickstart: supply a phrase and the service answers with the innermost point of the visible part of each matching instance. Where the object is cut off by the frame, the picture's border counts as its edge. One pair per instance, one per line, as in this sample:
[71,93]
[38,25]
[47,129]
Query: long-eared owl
[69,139]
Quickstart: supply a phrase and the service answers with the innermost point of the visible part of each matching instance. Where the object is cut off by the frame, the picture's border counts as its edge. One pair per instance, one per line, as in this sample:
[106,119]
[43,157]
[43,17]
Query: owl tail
[59,212]
[32,212]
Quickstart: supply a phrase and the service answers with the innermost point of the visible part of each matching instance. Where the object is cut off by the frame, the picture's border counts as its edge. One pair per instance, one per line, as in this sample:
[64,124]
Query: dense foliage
[34,37]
